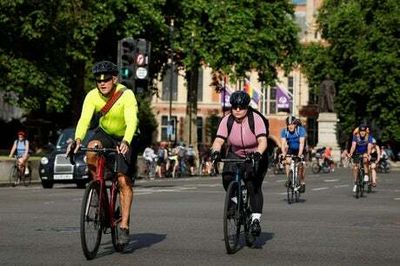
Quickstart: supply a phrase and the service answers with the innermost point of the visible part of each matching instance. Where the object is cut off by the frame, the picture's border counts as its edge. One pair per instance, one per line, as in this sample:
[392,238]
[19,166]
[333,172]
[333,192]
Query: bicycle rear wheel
[117,220]
[13,176]
[232,218]
[91,220]
[315,168]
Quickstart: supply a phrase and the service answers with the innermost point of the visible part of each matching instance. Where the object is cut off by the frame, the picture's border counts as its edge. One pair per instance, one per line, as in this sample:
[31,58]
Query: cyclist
[292,143]
[21,149]
[374,160]
[116,129]
[150,158]
[327,156]
[361,144]
[244,143]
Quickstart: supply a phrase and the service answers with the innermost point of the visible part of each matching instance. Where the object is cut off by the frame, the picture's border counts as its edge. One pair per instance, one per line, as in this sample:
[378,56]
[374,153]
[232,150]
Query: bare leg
[126,197]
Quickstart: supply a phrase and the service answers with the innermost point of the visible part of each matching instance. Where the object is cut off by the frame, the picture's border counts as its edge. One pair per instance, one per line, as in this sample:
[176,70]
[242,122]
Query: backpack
[250,116]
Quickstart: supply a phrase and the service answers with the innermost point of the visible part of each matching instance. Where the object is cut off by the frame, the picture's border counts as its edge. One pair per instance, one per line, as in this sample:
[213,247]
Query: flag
[282,98]
[225,96]
[252,92]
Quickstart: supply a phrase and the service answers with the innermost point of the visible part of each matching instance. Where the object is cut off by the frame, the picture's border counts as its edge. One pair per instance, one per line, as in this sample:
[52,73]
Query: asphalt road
[179,222]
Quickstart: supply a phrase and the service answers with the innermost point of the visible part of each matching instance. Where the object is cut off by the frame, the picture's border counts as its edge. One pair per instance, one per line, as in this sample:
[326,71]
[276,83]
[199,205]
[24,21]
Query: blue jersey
[293,138]
[362,143]
[21,147]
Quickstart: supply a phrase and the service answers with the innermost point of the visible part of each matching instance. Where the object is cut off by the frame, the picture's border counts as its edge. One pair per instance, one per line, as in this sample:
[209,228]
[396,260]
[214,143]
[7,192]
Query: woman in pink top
[243,142]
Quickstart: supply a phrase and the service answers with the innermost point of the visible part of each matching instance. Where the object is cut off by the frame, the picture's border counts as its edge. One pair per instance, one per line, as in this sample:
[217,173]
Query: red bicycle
[100,211]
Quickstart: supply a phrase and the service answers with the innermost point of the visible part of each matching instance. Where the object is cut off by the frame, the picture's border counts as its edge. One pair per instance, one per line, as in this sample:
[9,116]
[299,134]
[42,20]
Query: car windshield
[67,135]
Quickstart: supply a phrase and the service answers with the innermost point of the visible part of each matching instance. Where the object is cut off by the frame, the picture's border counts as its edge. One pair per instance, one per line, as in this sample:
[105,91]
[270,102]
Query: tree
[363,57]
[235,37]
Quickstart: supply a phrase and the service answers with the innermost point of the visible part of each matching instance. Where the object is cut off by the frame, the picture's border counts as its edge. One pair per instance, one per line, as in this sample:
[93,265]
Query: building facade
[302,103]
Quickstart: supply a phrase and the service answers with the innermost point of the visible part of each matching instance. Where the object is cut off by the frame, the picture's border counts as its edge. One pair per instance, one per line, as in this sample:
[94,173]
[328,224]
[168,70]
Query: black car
[55,167]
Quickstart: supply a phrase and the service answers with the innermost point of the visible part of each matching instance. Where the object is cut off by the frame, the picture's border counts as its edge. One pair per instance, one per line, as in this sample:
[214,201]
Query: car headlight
[44,160]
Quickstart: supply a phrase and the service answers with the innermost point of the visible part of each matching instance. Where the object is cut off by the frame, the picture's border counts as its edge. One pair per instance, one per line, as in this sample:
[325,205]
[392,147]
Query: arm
[352,149]
[217,145]
[284,147]
[14,147]
[262,144]
[26,153]
[301,147]
[130,115]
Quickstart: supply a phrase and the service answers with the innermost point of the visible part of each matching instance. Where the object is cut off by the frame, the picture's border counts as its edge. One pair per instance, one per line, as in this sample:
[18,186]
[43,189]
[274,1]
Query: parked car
[55,167]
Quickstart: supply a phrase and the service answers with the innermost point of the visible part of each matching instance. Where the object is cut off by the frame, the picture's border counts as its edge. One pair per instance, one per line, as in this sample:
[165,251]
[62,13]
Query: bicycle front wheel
[315,168]
[232,218]
[28,176]
[91,221]
[13,176]
[117,219]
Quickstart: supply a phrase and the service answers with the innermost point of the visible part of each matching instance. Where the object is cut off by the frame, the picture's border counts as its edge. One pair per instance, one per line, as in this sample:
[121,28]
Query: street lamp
[170,124]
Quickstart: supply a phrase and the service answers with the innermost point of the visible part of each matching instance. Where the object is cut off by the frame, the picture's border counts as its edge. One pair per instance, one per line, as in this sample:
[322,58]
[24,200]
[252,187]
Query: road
[179,222]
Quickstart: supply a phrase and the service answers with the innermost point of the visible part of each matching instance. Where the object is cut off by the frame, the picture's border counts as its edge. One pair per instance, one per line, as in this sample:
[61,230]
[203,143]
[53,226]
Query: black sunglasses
[103,80]
[241,107]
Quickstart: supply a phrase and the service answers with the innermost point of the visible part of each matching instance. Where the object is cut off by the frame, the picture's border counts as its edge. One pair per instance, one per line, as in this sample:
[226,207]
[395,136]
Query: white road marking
[396,198]
[338,186]
[331,180]
[320,188]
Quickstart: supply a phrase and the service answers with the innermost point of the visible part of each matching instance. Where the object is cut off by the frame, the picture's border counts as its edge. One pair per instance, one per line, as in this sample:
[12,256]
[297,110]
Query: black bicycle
[237,211]
[16,177]
[360,183]
[293,183]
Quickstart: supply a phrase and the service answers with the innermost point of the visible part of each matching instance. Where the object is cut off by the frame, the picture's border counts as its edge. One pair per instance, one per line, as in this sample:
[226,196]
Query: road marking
[396,198]
[338,186]
[320,188]
[331,180]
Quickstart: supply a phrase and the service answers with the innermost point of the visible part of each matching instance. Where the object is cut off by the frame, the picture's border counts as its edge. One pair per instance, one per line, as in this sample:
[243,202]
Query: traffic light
[142,58]
[126,62]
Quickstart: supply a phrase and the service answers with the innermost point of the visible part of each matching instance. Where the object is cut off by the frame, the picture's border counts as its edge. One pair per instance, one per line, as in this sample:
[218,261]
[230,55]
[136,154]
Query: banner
[253,92]
[282,98]
[225,95]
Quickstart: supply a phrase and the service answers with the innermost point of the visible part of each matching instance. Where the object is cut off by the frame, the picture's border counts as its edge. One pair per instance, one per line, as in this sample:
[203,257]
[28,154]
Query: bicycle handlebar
[71,153]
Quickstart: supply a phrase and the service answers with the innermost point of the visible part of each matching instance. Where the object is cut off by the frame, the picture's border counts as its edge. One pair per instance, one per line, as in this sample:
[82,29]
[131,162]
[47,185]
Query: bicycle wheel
[91,220]
[232,218]
[117,220]
[296,190]
[28,177]
[315,168]
[290,188]
[13,176]
[250,239]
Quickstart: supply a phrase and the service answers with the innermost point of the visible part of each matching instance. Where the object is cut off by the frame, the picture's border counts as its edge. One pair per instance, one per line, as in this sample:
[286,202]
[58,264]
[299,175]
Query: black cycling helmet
[291,120]
[362,127]
[239,99]
[105,68]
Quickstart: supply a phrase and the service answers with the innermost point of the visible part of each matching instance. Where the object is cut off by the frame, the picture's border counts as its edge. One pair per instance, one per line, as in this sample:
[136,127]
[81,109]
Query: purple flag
[225,95]
[282,99]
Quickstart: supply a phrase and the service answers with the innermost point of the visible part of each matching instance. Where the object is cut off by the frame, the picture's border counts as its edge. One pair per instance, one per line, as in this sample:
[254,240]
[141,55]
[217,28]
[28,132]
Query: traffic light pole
[171,28]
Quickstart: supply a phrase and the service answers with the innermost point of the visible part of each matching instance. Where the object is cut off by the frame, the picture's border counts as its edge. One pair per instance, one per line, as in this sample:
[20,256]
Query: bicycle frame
[293,179]
[359,158]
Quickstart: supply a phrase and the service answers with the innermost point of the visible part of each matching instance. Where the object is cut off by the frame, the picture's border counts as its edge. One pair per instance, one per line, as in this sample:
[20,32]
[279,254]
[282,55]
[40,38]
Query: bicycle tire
[91,220]
[290,188]
[28,178]
[117,220]
[249,238]
[232,218]
[315,168]
[296,191]
[13,175]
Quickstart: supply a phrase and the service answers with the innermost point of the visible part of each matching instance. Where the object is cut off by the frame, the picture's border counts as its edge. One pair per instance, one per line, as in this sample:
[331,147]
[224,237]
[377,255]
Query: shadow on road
[262,240]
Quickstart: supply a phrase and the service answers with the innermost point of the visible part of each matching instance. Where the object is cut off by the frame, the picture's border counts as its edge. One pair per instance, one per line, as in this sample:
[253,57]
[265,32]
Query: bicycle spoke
[231,218]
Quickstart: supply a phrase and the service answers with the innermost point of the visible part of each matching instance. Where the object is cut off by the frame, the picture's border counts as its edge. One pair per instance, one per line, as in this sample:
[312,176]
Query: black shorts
[293,152]
[123,162]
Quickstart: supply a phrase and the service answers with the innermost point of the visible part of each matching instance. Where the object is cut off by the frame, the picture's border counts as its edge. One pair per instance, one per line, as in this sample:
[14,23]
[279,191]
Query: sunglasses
[103,80]
[240,107]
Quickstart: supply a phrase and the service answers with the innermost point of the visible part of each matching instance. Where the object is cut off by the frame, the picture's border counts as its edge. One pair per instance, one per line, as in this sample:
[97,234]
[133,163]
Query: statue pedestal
[327,133]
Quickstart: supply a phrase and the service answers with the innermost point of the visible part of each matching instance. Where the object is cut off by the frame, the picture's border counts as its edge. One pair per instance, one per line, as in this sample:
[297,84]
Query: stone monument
[327,118]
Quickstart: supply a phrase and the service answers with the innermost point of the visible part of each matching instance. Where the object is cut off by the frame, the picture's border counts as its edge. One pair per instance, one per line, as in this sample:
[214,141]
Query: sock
[255,216]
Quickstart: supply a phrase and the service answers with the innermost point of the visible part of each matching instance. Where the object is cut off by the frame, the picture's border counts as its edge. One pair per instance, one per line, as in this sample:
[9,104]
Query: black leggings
[253,182]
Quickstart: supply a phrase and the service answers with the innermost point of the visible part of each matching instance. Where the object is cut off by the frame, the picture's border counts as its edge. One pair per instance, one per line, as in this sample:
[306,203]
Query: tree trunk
[191,108]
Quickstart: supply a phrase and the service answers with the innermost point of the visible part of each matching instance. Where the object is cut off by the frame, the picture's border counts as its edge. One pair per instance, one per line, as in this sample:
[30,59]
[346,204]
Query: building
[209,102]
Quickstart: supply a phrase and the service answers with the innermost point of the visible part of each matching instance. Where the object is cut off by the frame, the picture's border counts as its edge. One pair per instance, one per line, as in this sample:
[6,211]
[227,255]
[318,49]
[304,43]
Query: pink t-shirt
[241,140]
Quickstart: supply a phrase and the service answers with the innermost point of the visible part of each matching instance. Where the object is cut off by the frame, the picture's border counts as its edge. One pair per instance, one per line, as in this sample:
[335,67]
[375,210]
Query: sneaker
[255,227]
[355,188]
[366,178]
[302,188]
[123,236]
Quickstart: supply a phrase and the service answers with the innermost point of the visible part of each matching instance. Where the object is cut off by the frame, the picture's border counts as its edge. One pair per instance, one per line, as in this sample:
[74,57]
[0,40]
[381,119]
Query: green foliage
[363,58]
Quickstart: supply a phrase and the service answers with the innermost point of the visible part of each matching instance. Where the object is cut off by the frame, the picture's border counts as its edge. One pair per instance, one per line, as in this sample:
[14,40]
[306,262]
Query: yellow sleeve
[86,116]
[130,115]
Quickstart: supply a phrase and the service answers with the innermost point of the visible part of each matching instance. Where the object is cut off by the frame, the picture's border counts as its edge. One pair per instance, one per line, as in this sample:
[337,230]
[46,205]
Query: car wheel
[47,184]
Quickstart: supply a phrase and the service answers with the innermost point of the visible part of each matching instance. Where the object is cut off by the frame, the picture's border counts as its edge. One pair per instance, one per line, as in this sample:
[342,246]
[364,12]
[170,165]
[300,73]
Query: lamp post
[171,31]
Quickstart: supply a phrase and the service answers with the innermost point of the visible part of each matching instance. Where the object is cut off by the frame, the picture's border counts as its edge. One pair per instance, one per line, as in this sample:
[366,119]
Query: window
[166,84]
[200,86]
[300,18]
[199,129]
[164,128]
